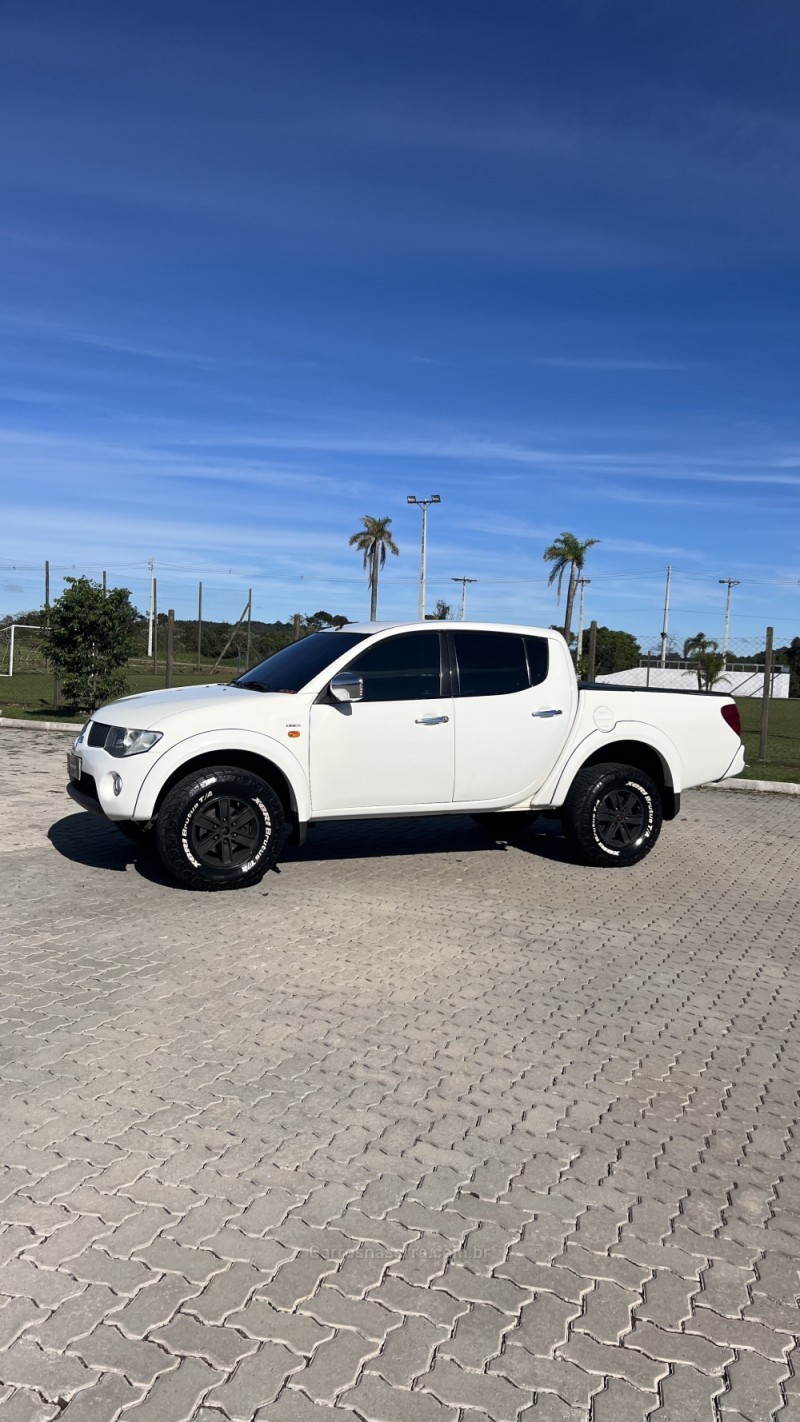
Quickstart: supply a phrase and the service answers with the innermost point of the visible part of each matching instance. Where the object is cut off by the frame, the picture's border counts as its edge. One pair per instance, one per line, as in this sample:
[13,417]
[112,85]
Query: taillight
[730,713]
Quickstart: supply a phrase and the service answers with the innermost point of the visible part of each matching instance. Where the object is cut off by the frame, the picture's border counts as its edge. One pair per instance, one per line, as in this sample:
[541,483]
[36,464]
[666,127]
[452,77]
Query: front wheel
[220,828]
[613,815]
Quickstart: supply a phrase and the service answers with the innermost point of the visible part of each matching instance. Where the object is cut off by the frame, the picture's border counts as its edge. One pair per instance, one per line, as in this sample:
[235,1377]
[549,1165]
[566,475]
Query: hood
[217,705]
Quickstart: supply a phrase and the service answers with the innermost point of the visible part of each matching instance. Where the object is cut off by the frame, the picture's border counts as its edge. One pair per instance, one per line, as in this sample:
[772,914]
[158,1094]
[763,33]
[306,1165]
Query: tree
[443,612]
[322,621]
[615,651]
[372,541]
[706,658]
[567,552]
[89,639]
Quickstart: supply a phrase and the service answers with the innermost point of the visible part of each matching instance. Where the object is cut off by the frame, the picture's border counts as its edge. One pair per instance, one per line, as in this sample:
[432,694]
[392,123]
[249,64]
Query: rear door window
[499,663]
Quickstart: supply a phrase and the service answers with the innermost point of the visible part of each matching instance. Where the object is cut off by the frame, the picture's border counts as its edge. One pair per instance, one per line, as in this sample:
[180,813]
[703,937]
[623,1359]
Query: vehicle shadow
[96,844]
[431,834]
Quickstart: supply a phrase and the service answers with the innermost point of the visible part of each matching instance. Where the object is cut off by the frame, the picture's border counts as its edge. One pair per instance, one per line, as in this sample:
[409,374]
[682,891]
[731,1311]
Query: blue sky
[268,267]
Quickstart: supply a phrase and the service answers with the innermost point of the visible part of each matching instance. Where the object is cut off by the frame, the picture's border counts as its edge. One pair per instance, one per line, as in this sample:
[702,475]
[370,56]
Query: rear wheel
[220,828]
[613,815]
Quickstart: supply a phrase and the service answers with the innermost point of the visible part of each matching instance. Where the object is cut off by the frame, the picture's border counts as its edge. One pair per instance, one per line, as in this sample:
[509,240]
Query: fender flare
[225,739]
[559,784]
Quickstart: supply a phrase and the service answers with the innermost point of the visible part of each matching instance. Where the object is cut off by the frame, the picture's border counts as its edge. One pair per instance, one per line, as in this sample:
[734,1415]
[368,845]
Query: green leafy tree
[706,658]
[323,621]
[567,553]
[615,651]
[443,612]
[89,641]
[373,541]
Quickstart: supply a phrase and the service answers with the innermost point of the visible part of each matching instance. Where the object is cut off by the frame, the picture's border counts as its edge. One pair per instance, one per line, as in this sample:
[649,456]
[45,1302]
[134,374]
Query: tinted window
[499,663]
[292,668]
[404,668]
[538,649]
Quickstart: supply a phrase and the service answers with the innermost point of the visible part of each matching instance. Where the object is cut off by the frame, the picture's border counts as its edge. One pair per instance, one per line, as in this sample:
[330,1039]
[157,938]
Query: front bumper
[93,787]
[85,800]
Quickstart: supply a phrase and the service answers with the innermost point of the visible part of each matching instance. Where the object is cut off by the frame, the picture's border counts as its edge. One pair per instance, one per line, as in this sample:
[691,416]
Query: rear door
[395,749]
[512,710]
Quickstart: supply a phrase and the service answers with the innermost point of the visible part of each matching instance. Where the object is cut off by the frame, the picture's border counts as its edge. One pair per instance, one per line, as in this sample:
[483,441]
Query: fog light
[116,781]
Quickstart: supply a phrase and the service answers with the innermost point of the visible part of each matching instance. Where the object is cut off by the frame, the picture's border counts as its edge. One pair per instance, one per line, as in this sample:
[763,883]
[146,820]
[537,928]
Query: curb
[764,787]
[41,725]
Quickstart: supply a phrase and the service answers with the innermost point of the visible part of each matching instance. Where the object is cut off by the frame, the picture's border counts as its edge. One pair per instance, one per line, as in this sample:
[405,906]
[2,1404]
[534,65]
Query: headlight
[121,740]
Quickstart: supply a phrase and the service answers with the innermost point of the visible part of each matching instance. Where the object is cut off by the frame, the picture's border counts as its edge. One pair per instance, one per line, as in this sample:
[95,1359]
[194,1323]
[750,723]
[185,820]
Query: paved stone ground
[423,1129]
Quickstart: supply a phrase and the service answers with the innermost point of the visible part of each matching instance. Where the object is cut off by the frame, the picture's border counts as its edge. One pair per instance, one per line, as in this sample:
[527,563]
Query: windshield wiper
[252,685]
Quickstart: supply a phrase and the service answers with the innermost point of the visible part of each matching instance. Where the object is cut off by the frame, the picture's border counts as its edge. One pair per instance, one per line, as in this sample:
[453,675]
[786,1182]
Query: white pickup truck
[419,718]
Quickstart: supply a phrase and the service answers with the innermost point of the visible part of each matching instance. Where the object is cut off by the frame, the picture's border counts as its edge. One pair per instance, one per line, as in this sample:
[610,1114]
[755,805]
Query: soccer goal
[20,648]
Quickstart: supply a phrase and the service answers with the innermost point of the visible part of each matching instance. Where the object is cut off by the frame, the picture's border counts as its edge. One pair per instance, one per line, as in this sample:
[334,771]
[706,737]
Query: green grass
[29,695]
[783,740]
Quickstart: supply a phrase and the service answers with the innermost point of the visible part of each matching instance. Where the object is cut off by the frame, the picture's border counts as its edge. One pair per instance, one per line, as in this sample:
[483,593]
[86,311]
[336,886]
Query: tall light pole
[584,583]
[463,582]
[665,624]
[152,568]
[424,504]
[731,584]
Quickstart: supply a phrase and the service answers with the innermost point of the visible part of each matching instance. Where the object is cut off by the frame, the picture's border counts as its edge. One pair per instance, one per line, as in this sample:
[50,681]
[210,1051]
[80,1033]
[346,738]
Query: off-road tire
[220,828]
[612,816]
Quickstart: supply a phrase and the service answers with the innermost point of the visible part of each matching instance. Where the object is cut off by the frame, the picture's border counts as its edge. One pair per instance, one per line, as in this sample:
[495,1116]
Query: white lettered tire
[220,828]
[613,815]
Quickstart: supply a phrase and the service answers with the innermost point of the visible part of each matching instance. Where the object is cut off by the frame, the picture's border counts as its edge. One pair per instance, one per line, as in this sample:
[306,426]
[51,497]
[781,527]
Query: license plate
[73,766]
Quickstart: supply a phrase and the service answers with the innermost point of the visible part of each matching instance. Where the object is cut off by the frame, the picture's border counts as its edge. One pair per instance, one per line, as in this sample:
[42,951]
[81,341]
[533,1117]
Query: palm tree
[373,540]
[567,552]
[707,659]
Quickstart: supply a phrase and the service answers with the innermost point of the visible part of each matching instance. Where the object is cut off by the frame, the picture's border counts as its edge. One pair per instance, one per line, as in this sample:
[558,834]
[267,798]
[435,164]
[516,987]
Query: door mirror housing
[346,686]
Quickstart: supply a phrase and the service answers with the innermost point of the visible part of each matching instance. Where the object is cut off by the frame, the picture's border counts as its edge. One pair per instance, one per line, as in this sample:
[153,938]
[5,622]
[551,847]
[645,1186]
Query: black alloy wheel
[613,815]
[224,831]
[220,828]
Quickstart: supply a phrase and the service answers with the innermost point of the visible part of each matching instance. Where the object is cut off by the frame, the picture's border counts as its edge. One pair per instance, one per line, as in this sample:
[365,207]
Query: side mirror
[345,686]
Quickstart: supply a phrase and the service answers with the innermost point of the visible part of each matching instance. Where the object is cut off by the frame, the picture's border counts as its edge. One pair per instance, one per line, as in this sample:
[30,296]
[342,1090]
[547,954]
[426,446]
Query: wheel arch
[286,779]
[657,761]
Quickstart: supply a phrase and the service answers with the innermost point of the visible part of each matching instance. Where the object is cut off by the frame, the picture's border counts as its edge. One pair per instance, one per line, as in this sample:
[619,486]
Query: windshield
[295,666]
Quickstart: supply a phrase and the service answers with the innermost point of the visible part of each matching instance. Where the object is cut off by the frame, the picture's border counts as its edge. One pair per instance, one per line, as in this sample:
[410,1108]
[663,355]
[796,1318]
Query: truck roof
[432,622]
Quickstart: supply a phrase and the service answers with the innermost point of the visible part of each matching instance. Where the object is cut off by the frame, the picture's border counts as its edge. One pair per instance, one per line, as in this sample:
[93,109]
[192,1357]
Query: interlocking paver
[54,1375]
[257,1380]
[565,1099]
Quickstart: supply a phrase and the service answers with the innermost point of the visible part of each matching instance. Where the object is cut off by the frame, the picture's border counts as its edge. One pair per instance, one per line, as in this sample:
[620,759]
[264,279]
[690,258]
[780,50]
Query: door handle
[431,720]
[549,711]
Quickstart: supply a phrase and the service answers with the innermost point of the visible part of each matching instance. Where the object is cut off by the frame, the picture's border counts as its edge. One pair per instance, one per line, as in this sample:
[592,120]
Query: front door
[394,749]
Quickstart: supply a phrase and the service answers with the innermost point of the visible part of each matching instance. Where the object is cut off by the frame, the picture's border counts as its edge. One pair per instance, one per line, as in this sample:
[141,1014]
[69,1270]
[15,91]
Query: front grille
[98,733]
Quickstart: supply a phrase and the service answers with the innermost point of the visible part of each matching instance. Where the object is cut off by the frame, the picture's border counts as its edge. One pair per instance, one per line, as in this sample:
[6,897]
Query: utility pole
[731,583]
[762,739]
[665,624]
[155,626]
[152,567]
[463,582]
[47,592]
[105,588]
[424,504]
[199,621]
[592,652]
[249,624]
[584,583]
[170,645]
